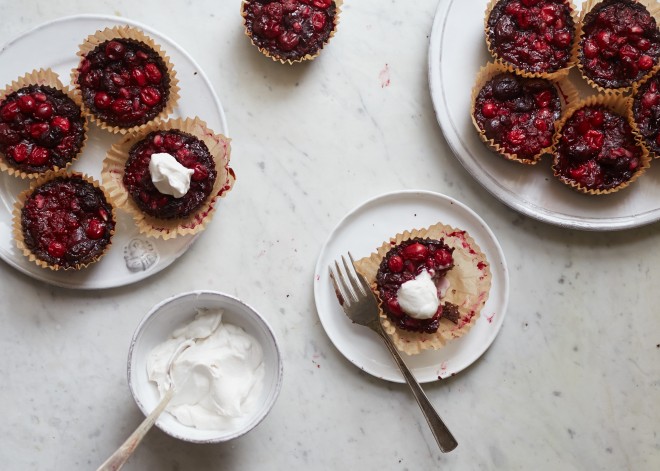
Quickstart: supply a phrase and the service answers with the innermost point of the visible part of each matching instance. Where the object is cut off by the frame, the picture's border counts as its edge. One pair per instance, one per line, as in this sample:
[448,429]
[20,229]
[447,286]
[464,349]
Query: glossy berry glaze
[620,43]
[290,29]
[597,149]
[518,113]
[189,152]
[646,112]
[40,128]
[403,263]
[124,82]
[533,35]
[67,222]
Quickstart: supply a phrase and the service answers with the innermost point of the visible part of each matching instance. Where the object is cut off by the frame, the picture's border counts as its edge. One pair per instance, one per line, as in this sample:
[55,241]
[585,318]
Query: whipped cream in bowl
[225,383]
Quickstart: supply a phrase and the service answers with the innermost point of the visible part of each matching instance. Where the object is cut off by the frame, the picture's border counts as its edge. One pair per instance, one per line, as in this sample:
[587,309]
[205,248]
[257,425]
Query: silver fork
[360,305]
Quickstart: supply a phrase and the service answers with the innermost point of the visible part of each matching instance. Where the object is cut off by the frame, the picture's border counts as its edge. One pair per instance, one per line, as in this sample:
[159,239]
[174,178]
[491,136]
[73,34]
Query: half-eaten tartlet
[644,107]
[42,127]
[431,285]
[595,149]
[290,31]
[125,79]
[64,221]
[169,176]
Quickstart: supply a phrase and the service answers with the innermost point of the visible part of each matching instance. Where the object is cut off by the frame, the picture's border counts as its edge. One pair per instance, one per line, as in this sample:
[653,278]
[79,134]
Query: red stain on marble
[384,76]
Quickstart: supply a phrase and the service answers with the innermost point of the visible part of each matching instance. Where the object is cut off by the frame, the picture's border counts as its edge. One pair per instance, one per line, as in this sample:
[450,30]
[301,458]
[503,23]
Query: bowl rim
[268,330]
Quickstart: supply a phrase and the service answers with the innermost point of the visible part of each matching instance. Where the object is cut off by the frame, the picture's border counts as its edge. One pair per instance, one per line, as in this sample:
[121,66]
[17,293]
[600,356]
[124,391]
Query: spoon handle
[441,433]
[124,452]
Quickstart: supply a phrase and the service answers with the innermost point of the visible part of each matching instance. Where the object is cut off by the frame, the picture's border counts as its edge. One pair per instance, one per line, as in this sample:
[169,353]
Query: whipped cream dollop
[217,380]
[168,175]
[419,297]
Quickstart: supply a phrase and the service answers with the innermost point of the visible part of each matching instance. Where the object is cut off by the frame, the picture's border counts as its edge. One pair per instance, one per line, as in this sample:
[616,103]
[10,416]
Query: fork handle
[443,436]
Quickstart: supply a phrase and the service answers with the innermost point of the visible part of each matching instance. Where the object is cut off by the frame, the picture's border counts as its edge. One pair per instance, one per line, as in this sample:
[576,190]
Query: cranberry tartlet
[595,149]
[536,37]
[514,115]
[42,127]
[290,30]
[125,79]
[169,176]
[431,283]
[645,110]
[619,44]
[64,221]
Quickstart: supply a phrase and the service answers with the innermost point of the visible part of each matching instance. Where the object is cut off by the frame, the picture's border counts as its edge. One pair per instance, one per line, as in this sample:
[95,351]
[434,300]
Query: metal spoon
[124,452]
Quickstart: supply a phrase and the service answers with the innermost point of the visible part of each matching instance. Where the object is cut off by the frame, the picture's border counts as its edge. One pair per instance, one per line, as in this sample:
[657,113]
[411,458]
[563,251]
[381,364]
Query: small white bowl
[177,311]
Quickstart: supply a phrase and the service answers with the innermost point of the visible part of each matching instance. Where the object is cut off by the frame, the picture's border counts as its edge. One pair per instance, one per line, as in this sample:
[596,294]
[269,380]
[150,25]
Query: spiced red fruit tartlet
[596,151]
[534,36]
[646,113]
[185,150]
[64,221]
[431,284]
[620,44]
[41,129]
[516,115]
[125,79]
[290,30]
[419,262]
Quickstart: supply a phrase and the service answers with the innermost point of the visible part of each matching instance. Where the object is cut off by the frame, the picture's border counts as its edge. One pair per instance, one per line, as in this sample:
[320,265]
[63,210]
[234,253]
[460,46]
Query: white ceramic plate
[361,232]
[132,257]
[457,51]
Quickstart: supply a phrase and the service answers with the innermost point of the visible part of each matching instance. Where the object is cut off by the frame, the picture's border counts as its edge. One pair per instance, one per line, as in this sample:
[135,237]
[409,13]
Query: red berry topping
[290,29]
[124,82]
[646,110]
[95,229]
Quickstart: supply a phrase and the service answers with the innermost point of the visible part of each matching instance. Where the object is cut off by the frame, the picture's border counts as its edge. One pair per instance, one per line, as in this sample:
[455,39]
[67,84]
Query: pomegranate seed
[322,3]
[26,103]
[563,39]
[152,72]
[124,93]
[172,142]
[594,139]
[61,122]
[142,55]
[395,264]
[95,229]
[40,97]
[645,62]
[643,44]
[393,306]
[122,106]
[102,100]
[19,152]
[590,49]
[150,96]
[115,50]
[44,111]
[443,258]
[416,251]
[139,77]
[318,20]
[9,111]
[38,129]
[56,249]
[516,137]
[39,156]
[288,40]
[200,173]
[650,99]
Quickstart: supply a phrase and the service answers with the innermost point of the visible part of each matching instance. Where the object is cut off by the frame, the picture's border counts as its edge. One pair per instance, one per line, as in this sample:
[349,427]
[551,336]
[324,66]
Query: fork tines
[353,289]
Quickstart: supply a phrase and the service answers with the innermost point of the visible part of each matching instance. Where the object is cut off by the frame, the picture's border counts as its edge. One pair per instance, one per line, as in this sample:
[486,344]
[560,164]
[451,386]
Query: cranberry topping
[124,82]
[290,29]
[534,35]
[646,112]
[67,222]
[189,152]
[620,44]
[40,128]
[518,113]
[597,149]
[403,263]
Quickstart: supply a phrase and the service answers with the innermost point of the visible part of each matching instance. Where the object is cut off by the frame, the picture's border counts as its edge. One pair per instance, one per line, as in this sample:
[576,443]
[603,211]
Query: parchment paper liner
[306,57]
[651,6]
[617,103]
[18,227]
[126,32]
[48,78]
[633,122]
[470,281]
[568,94]
[112,176]
[555,75]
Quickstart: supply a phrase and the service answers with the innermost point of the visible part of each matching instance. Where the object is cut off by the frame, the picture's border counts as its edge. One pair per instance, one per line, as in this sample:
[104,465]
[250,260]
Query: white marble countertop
[572,382]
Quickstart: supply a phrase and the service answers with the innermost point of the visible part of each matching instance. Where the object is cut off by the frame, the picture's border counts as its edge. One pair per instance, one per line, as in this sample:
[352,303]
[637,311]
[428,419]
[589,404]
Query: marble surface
[572,382]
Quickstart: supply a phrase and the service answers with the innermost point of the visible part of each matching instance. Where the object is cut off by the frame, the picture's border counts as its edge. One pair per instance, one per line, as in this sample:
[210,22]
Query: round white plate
[132,257]
[457,51]
[361,232]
